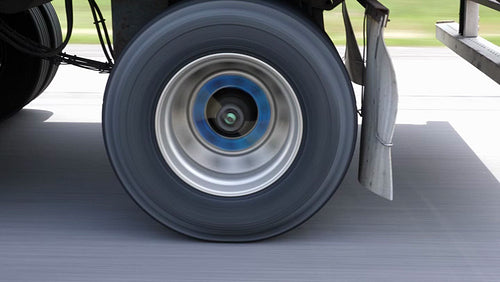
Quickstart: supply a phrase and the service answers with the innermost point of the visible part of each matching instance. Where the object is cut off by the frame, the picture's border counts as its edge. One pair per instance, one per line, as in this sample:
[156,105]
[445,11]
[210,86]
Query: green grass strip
[411,21]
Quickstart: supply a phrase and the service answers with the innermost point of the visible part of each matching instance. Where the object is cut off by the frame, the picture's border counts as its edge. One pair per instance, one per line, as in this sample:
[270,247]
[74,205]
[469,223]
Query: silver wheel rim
[217,164]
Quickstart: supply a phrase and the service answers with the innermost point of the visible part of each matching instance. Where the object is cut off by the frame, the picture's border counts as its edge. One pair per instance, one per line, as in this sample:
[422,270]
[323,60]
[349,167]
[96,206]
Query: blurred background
[411,21]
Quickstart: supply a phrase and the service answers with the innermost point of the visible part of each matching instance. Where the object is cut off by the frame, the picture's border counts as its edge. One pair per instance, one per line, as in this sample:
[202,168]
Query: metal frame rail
[463,38]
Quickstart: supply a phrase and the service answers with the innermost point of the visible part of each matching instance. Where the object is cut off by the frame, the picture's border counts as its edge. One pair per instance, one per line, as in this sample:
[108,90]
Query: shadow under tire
[192,166]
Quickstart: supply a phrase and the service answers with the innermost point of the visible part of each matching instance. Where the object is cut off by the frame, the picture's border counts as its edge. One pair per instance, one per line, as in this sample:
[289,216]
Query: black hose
[107,46]
[28,46]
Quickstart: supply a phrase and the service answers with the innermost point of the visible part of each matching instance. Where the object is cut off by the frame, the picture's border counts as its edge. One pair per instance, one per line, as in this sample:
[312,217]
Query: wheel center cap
[230,118]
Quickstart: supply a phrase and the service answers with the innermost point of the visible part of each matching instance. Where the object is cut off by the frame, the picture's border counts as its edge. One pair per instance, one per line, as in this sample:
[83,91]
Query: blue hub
[231,112]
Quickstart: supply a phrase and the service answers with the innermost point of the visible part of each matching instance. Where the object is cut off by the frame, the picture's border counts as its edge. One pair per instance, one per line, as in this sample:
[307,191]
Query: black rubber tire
[24,77]
[55,33]
[273,33]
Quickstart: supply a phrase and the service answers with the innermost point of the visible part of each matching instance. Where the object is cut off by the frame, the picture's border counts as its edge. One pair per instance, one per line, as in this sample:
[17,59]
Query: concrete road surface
[65,217]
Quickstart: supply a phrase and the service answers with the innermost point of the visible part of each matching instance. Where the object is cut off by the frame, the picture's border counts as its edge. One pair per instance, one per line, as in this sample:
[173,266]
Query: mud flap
[379,110]
[379,105]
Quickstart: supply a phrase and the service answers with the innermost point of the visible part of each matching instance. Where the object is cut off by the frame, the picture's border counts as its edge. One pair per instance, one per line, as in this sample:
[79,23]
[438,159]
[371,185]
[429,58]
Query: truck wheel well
[130,16]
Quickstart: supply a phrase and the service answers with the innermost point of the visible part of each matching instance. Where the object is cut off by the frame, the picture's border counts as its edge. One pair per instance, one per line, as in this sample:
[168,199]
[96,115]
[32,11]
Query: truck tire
[230,120]
[24,77]
[55,35]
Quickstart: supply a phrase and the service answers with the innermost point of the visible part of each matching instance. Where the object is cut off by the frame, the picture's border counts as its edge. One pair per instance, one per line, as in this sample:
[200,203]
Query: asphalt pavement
[65,217]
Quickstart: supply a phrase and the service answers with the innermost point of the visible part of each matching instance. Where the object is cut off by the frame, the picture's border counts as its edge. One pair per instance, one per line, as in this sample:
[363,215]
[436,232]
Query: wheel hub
[229,121]
[228,124]
[231,113]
